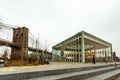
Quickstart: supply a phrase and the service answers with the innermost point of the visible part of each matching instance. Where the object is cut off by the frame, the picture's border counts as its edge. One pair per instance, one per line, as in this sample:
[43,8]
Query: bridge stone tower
[20,36]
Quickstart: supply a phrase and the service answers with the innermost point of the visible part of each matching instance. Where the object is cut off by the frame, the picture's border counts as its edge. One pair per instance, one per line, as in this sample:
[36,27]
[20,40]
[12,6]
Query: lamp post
[114,55]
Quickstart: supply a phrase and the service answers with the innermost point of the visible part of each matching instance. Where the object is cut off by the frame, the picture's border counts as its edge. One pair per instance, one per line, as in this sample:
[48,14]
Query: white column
[73,52]
[105,56]
[78,48]
[83,47]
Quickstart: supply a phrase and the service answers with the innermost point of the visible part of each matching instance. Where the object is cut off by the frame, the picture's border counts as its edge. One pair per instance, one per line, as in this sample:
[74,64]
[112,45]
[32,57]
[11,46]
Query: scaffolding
[82,47]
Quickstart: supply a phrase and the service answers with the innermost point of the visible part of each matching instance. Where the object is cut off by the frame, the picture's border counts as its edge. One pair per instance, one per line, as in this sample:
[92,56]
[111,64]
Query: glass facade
[82,47]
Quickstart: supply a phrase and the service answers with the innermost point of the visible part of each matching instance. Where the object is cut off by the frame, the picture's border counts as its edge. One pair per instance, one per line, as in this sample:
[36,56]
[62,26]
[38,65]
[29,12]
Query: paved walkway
[26,71]
[51,66]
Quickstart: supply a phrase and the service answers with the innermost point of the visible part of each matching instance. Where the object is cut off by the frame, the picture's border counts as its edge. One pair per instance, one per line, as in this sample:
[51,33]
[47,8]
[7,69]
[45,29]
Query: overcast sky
[56,20]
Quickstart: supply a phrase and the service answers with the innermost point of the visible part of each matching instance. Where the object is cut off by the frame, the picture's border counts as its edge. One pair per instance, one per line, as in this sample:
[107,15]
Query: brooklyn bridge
[22,42]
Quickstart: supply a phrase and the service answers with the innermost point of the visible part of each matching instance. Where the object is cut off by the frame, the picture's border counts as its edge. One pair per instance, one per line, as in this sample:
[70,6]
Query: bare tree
[46,50]
[5,56]
[44,56]
[46,46]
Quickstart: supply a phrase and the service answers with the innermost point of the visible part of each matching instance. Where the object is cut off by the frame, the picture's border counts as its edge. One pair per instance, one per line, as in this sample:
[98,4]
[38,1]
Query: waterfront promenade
[55,70]
[51,66]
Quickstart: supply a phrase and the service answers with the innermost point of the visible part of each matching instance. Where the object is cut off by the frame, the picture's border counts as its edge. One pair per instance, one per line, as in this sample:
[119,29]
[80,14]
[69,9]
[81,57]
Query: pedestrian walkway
[51,66]
[54,68]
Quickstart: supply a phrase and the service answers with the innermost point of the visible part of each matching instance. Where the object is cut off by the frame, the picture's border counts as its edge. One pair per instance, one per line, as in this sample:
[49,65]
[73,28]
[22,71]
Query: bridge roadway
[8,43]
[17,45]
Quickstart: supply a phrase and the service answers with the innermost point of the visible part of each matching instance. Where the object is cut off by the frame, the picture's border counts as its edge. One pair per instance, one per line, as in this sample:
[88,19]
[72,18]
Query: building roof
[90,40]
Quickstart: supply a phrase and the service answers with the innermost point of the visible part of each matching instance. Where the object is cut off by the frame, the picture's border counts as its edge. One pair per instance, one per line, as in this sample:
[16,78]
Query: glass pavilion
[82,47]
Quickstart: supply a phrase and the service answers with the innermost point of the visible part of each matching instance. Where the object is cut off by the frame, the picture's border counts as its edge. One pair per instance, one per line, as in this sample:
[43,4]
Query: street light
[114,55]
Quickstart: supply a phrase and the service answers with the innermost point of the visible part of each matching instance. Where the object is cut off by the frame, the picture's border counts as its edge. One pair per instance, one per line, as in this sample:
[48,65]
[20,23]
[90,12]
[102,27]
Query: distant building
[82,47]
